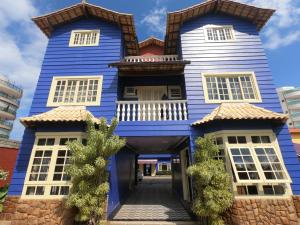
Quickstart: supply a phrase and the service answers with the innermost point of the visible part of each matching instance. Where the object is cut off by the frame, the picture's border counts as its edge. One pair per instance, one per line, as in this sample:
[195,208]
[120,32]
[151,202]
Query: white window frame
[48,183]
[55,79]
[211,26]
[262,181]
[73,35]
[170,93]
[228,75]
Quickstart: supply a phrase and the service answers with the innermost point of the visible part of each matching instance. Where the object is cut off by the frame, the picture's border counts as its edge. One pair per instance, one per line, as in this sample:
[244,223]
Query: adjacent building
[212,78]
[290,103]
[10,96]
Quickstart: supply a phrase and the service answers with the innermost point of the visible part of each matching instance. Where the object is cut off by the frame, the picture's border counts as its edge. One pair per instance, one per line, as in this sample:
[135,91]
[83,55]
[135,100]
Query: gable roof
[257,16]
[240,111]
[125,21]
[60,114]
[151,41]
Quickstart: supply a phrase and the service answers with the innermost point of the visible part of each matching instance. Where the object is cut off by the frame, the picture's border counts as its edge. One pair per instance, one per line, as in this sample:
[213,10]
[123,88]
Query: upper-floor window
[84,38]
[46,175]
[230,87]
[219,33]
[254,160]
[78,90]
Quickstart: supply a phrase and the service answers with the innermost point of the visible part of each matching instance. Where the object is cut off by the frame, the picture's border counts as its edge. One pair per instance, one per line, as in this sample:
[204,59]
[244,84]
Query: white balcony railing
[151,58]
[152,110]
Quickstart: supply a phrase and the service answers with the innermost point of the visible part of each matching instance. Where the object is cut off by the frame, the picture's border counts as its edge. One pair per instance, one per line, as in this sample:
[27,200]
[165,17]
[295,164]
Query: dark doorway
[147,169]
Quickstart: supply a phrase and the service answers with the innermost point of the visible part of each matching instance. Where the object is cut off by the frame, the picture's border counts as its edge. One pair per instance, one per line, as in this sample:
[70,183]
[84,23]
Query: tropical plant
[88,170]
[213,194]
[3,190]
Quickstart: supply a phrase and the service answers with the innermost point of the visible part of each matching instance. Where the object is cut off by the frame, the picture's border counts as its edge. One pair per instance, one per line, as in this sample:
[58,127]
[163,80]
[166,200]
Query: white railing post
[118,111]
[149,112]
[184,111]
[179,111]
[128,112]
[175,110]
[133,112]
[123,112]
[139,112]
[159,112]
[170,111]
[164,111]
[144,111]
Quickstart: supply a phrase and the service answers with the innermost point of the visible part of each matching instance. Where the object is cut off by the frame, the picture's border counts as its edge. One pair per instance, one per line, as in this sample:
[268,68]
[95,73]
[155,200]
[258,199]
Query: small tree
[211,182]
[88,170]
[3,190]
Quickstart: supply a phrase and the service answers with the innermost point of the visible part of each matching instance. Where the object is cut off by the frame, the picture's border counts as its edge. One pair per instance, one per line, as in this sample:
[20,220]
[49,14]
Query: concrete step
[153,223]
[2,222]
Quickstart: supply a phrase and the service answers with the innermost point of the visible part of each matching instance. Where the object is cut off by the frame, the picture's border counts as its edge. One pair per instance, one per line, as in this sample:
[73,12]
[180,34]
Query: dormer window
[84,38]
[219,33]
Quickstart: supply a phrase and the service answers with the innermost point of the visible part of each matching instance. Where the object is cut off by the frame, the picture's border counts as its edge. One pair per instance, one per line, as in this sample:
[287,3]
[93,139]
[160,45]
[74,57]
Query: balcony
[152,110]
[6,113]
[294,94]
[6,125]
[154,64]
[10,99]
[11,89]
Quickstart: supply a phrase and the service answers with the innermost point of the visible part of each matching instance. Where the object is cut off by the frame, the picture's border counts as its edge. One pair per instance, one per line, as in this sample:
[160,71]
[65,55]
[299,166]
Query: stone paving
[153,200]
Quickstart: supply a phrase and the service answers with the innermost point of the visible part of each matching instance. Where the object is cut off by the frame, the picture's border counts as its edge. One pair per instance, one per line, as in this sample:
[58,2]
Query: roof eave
[65,15]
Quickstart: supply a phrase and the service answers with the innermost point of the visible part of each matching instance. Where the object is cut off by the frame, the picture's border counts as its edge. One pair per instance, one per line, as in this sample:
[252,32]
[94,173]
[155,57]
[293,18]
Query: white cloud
[21,48]
[155,21]
[284,27]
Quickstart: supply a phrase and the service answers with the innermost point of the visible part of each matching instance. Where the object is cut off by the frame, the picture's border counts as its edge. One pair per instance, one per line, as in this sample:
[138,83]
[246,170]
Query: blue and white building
[213,79]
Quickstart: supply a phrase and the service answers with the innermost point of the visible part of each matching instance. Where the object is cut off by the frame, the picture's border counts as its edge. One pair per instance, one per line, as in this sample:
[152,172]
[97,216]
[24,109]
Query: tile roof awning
[125,21]
[60,114]
[258,16]
[241,111]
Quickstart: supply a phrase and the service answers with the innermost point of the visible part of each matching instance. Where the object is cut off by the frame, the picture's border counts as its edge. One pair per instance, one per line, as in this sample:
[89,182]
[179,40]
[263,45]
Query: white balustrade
[152,110]
[151,58]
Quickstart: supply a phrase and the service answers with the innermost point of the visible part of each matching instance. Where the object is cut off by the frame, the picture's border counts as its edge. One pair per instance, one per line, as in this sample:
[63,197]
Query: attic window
[84,38]
[219,33]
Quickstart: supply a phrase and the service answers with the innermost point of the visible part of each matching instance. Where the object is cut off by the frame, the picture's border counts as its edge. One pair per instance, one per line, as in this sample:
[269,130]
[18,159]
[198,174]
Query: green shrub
[211,182]
[3,190]
[88,171]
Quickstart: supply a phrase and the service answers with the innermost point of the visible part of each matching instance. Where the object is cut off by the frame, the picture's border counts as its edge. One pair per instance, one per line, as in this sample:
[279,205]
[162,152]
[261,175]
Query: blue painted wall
[122,178]
[61,60]
[245,54]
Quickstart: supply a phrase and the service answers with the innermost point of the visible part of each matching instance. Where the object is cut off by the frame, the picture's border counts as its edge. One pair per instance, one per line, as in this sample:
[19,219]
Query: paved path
[153,200]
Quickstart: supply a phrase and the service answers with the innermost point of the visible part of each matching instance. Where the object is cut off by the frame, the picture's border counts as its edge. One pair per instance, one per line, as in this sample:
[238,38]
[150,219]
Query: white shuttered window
[84,38]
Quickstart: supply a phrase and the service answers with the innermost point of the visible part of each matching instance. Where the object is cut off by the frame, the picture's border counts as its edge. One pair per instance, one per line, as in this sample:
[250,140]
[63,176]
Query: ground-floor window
[46,176]
[164,166]
[254,160]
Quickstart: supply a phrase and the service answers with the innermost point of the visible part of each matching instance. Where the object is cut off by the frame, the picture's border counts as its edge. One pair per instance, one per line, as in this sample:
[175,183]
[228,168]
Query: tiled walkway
[153,200]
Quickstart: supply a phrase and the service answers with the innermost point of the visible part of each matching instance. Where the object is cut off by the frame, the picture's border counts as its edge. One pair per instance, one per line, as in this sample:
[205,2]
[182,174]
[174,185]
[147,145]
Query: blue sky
[22,45]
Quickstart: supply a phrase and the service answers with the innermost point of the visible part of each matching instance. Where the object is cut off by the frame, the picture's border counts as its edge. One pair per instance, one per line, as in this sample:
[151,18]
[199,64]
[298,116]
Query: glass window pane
[232,139]
[265,139]
[255,139]
[30,190]
[241,139]
[41,141]
[40,190]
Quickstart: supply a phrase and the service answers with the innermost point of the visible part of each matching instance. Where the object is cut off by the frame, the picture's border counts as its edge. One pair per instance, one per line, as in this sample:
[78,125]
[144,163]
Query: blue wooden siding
[244,54]
[61,60]
[122,178]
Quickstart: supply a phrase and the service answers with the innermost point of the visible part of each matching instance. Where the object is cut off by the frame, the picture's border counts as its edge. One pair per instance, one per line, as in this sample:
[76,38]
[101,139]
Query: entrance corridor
[153,200]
